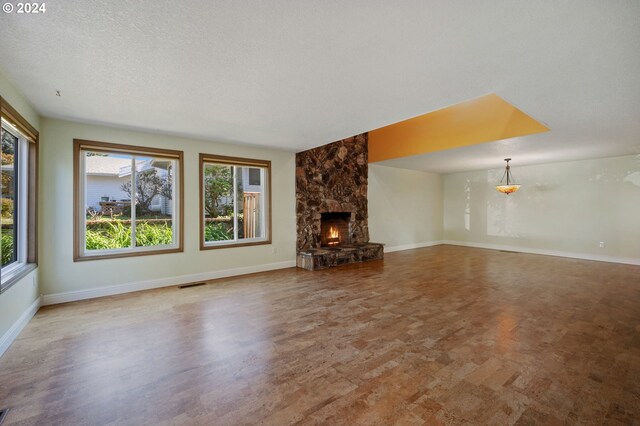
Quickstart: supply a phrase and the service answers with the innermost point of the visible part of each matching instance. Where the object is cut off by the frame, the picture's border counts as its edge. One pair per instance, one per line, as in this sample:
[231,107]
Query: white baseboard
[412,246]
[72,296]
[7,338]
[584,256]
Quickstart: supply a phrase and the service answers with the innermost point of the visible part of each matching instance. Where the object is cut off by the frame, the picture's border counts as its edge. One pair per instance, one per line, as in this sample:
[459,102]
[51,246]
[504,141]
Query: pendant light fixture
[509,186]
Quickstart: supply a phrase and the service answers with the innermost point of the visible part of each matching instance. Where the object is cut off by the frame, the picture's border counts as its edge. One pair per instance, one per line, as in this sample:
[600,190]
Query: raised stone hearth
[327,257]
[331,205]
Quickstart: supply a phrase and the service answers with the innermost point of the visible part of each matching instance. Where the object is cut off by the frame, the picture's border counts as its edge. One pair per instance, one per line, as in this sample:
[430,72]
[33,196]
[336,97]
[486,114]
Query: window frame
[239,162]
[79,215]
[28,186]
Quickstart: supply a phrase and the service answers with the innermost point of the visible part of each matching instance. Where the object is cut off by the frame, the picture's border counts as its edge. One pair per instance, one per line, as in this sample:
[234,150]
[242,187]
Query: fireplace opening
[334,229]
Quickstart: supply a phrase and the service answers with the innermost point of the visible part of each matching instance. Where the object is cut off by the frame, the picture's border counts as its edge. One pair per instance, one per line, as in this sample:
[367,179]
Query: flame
[334,235]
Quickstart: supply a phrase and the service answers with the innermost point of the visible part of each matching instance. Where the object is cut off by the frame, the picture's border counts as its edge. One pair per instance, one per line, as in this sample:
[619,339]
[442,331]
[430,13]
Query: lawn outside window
[235,202]
[128,200]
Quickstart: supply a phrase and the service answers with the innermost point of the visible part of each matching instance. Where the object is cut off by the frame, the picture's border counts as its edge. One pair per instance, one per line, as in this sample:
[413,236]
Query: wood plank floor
[441,335]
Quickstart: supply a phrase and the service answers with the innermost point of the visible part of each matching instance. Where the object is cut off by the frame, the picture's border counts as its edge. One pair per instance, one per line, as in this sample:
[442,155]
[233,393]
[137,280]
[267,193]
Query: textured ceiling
[298,74]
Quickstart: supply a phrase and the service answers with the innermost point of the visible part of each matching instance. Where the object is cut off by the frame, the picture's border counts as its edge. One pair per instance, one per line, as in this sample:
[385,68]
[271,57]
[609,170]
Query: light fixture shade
[507,189]
[509,186]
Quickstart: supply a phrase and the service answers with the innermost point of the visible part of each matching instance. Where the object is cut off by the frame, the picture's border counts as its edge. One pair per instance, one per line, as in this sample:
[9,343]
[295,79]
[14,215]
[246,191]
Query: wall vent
[190,285]
[3,414]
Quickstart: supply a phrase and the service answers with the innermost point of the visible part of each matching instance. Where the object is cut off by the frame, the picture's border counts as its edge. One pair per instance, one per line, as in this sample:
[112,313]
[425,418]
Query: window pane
[249,199]
[154,201]
[9,216]
[218,202]
[107,200]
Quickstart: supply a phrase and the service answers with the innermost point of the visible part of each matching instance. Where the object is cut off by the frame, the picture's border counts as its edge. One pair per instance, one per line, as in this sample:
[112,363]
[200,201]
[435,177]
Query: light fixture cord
[503,175]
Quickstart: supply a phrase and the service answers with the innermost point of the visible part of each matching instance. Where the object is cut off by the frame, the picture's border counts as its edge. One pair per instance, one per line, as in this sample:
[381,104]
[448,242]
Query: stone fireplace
[331,205]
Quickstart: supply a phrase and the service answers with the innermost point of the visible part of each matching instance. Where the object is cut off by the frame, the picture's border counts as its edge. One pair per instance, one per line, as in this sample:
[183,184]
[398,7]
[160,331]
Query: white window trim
[11,271]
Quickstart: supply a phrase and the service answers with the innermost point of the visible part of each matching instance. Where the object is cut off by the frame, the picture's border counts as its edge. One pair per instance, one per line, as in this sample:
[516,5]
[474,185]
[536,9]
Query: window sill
[9,280]
[85,257]
[232,245]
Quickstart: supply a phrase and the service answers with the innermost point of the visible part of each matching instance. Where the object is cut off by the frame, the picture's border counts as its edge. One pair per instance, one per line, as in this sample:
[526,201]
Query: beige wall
[58,272]
[19,102]
[405,207]
[24,293]
[17,300]
[565,207]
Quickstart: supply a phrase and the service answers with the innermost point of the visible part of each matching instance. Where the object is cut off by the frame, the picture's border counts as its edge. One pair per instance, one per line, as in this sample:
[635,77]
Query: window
[18,195]
[128,200]
[235,206]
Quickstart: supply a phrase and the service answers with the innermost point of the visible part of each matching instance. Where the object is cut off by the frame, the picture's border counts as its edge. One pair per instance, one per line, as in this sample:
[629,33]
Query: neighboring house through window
[254,176]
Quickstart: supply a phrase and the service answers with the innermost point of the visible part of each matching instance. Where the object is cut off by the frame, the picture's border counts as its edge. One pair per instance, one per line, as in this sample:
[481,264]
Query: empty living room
[320,213]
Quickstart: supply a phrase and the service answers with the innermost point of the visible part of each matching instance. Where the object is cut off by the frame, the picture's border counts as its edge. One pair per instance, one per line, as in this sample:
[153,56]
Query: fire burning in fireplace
[333,236]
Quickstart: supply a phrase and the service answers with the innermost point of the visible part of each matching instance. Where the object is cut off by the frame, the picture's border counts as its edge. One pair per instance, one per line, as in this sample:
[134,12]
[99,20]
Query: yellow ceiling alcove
[485,119]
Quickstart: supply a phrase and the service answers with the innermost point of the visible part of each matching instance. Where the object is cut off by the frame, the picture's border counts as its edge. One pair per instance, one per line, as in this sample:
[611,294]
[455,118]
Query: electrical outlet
[601,244]
[274,250]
